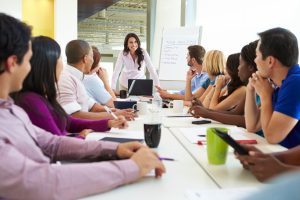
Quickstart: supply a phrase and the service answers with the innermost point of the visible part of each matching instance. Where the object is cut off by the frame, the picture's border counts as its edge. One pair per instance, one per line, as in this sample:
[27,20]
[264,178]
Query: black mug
[123,94]
[152,133]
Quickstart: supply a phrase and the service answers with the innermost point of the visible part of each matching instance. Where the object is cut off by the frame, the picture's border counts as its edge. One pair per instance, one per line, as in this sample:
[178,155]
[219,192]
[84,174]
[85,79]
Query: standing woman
[133,59]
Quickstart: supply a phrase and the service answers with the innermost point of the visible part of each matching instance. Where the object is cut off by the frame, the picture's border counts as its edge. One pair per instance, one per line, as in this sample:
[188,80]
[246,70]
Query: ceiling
[109,21]
[87,8]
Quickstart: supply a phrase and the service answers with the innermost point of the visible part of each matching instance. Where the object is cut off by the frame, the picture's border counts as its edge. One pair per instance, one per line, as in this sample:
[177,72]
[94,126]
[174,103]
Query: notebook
[121,140]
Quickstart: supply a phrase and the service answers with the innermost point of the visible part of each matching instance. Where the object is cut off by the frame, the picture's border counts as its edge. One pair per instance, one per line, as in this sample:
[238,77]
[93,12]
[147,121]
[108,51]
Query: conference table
[190,171]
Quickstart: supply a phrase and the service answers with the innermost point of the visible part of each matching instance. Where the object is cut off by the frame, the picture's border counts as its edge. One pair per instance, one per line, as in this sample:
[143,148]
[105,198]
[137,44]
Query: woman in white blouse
[133,59]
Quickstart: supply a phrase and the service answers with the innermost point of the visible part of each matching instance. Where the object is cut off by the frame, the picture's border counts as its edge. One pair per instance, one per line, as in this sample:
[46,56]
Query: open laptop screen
[141,87]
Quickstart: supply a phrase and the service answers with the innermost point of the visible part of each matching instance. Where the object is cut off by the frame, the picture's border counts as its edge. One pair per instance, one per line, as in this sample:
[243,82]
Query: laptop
[140,87]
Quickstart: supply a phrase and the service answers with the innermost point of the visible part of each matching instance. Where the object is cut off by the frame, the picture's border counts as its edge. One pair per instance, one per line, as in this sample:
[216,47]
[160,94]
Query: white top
[130,70]
[72,95]
[95,88]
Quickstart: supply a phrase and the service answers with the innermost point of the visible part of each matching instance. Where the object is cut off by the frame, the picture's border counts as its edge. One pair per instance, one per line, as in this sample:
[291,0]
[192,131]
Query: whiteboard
[172,62]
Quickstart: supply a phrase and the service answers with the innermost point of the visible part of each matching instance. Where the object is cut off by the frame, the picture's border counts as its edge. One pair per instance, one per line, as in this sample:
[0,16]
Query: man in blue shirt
[276,58]
[197,81]
[194,59]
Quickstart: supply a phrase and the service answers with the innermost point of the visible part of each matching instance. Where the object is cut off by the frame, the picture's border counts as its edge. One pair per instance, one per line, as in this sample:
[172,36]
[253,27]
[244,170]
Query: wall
[231,24]
[168,14]
[40,15]
[65,18]
[11,7]
[65,22]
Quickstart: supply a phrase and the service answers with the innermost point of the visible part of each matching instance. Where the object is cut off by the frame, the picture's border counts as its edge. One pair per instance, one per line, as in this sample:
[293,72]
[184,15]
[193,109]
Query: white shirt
[130,70]
[72,95]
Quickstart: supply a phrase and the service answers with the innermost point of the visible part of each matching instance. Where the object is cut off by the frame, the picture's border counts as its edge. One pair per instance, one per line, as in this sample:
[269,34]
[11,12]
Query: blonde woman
[213,64]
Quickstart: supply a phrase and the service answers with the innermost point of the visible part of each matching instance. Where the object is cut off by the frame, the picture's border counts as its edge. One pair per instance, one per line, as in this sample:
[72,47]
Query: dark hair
[280,43]
[96,56]
[14,39]
[232,65]
[76,50]
[138,52]
[42,77]
[248,53]
[197,52]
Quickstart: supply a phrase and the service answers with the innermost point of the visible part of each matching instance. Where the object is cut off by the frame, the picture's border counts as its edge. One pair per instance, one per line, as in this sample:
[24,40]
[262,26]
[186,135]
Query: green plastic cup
[216,148]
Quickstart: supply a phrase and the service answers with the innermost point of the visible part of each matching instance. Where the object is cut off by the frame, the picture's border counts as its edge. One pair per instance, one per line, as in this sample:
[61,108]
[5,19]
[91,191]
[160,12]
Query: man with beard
[195,78]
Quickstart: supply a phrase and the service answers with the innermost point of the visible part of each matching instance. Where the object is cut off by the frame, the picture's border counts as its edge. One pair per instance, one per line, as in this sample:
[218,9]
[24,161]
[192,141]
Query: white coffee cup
[177,106]
[142,107]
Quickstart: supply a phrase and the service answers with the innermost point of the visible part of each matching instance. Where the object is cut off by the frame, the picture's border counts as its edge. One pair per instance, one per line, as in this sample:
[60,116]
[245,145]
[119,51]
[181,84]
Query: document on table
[120,133]
[195,134]
[220,194]
[126,133]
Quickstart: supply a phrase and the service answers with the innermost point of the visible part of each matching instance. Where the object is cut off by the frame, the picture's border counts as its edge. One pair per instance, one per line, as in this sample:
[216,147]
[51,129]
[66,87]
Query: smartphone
[121,140]
[204,121]
[229,140]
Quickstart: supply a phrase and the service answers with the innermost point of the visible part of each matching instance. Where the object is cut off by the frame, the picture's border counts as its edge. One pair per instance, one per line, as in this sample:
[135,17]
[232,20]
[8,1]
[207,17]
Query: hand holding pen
[117,122]
[120,123]
[108,110]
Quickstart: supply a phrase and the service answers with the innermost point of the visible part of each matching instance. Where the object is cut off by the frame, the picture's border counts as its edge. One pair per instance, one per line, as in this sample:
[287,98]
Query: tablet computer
[229,140]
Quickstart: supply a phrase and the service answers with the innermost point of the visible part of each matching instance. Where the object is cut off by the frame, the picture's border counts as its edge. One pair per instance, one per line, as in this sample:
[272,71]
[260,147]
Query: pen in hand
[110,112]
[166,159]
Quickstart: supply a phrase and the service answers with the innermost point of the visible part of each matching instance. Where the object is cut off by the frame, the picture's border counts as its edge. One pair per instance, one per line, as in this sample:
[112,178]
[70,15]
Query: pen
[110,112]
[167,159]
[247,141]
[201,135]
[130,88]
[201,142]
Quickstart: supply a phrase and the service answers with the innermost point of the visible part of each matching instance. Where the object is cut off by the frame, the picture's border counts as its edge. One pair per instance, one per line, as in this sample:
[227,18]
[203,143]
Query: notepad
[121,140]
[197,135]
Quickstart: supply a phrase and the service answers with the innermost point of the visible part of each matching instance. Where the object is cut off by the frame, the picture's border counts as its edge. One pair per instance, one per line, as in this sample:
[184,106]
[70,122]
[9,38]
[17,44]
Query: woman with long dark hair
[133,59]
[38,96]
[234,93]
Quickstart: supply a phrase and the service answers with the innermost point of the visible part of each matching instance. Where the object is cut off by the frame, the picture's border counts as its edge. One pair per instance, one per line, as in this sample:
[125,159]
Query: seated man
[28,153]
[276,58]
[97,84]
[196,78]
[71,92]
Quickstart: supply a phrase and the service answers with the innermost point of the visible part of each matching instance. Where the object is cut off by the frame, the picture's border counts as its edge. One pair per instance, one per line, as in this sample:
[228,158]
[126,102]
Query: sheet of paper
[220,194]
[126,132]
[195,134]
[122,133]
